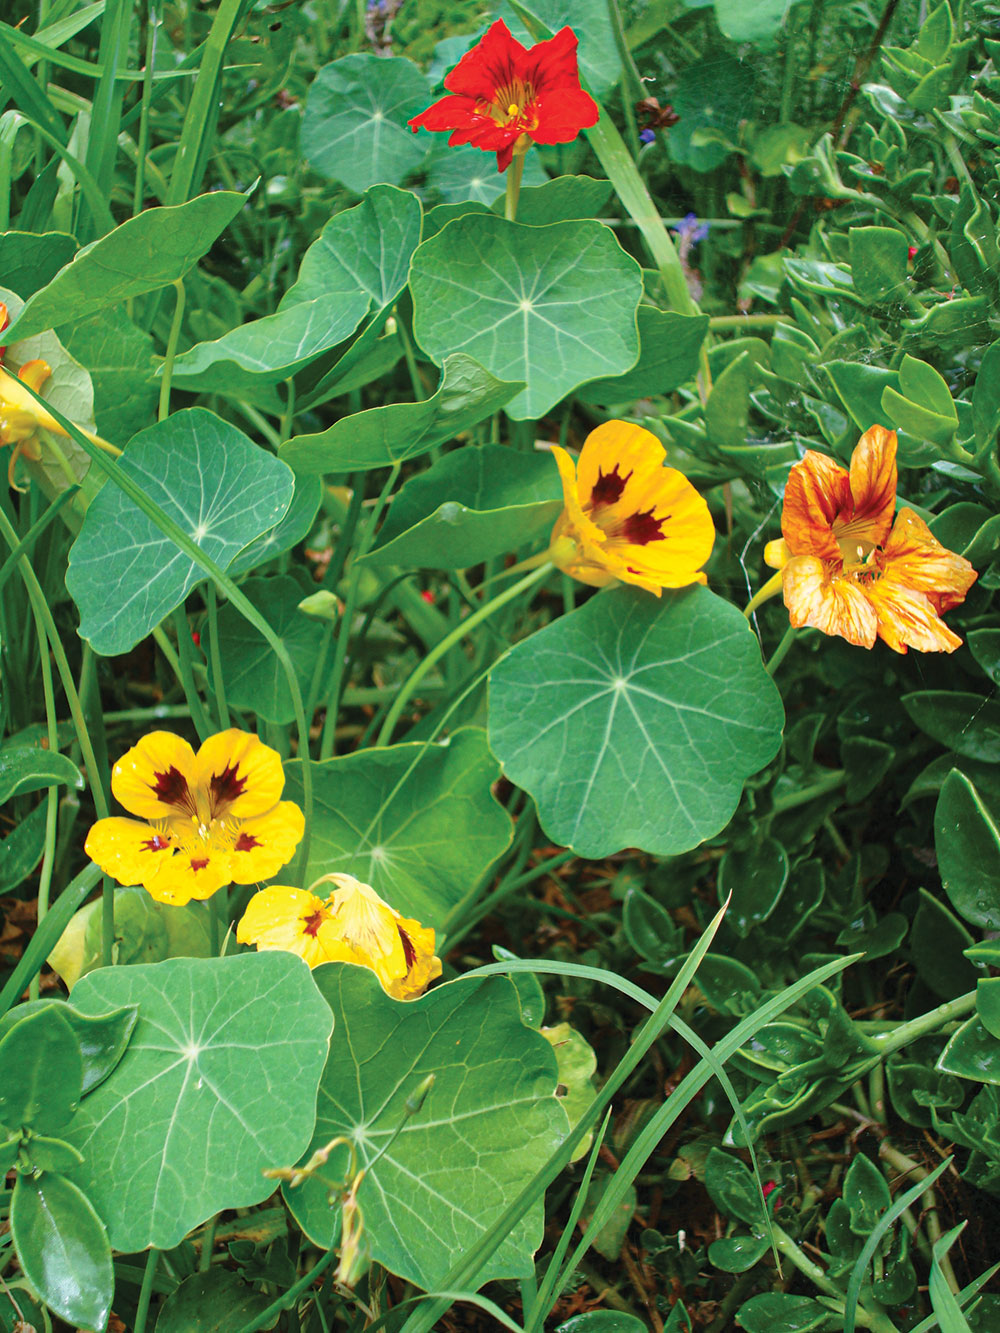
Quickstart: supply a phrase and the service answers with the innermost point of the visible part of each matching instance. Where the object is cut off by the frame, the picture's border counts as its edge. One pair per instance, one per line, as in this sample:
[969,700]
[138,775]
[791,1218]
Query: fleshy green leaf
[732,1188]
[102,1041]
[219,1082]
[383,435]
[879,258]
[669,346]
[755,876]
[147,252]
[473,504]
[967,843]
[779,1312]
[354,126]
[664,705]
[967,723]
[986,397]
[21,849]
[972,1052]
[253,675]
[41,1073]
[488,1122]
[552,306]
[124,574]
[63,1248]
[25,768]
[417,822]
[988,1003]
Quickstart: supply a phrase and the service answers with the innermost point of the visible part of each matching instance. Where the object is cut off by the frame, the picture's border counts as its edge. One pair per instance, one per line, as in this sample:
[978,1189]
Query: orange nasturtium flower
[205,819]
[353,925]
[504,96]
[848,569]
[627,517]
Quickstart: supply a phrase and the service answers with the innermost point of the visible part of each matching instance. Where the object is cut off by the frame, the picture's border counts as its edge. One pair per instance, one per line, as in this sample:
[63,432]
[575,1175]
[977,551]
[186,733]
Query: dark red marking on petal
[226,786]
[199,863]
[157,843]
[246,842]
[409,952]
[171,788]
[312,922]
[642,528]
[608,487]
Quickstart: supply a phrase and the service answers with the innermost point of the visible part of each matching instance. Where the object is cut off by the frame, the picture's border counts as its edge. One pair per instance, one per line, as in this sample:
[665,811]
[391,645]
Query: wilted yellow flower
[353,925]
[627,517]
[208,819]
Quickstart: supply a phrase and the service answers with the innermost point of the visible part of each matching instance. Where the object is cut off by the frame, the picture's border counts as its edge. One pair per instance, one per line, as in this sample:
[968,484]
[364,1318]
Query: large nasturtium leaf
[669,345]
[31,260]
[120,360]
[354,126]
[253,674]
[417,822]
[711,97]
[147,252]
[635,721]
[219,1081]
[296,524]
[962,721]
[489,1121]
[759,23]
[124,574]
[473,504]
[464,172]
[367,247]
[553,306]
[467,395]
[273,348]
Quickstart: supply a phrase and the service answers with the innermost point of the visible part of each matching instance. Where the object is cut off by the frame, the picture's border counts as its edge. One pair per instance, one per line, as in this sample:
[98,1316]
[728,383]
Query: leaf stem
[168,363]
[146,1292]
[450,640]
[218,680]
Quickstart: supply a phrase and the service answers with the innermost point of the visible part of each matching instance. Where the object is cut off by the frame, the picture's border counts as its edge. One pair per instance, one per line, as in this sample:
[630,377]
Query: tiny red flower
[503,96]
[911,253]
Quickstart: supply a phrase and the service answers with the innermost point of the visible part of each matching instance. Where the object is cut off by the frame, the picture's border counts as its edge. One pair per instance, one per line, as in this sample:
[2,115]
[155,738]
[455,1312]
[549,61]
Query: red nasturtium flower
[628,518]
[848,569]
[504,96]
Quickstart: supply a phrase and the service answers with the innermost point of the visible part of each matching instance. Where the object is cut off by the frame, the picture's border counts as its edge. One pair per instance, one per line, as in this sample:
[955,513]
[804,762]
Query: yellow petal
[907,619]
[616,459]
[777,554]
[281,917]
[241,775]
[155,779]
[365,929]
[191,874]
[818,598]
[131,852]
[13,394]
[266,843]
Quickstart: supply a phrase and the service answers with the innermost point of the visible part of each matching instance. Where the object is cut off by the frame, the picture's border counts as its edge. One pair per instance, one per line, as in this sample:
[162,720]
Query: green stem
[718,323]
[450,640]
[329,740]
[631,84]
[52,793]
[185,663]
[934,1019]
[419,392]
[514,173]
[780,653]
[207,1242]
[931,1219]
[168,362]
[827,783]
[146,1292]
[218,680]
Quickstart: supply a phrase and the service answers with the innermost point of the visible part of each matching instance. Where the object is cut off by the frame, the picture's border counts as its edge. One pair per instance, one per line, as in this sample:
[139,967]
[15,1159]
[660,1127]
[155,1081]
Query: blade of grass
[203,108]
[963,1297]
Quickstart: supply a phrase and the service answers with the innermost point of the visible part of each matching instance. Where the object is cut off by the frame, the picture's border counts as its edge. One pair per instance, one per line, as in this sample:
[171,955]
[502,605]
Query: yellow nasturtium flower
[628,518]
[353,925]
[205,819]
[849,569]
[21,416]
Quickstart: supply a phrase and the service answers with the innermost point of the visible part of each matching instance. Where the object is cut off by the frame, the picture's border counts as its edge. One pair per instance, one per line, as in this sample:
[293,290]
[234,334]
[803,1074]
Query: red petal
[493,61]
[562,115]
[448,114]
[551,65]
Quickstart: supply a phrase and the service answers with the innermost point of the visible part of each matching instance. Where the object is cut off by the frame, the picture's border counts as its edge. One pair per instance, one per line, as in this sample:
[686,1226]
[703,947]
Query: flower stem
[450,640]
[514,173]
[778,656]
[770,589]
[168,363]
[146,1291]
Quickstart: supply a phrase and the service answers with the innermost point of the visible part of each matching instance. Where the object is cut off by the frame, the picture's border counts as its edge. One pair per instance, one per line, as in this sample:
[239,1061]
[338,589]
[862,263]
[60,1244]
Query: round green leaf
[488,1122]
[735,1254]
[354,126]
[552,306]
[464,172]
[397,431]
[119,357]
[597,54]
[25,768]
[711,97]
[219,1081]
[35,259]
[603,1321]
[147,252]
[124,574]
[669,347]
[41,1073]
[296,524]
[63,1248]
[417,822]
[473,504]
[755,876]
[967,842]
[779,1312]
[253,675]
[634,721]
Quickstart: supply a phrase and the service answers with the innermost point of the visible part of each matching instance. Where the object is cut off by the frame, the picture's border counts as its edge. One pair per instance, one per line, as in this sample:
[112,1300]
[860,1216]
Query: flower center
[511,105]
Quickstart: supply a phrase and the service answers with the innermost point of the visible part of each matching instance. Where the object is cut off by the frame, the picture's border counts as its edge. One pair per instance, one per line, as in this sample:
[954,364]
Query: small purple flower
[692,231]
[647,136]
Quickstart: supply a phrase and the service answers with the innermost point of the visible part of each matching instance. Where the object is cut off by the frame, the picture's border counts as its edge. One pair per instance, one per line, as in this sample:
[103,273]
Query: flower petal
[281,917]
[914,558]
[191,873]
[241,775]
[496,60]
[818,489]
[908,619]
[266,843]
[615,465]
[873,482]
[131,852]
[365,929]
[834,605]
[156,778]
